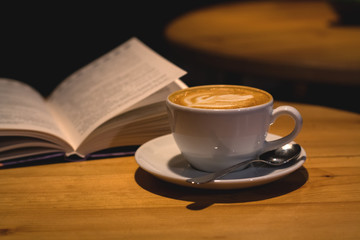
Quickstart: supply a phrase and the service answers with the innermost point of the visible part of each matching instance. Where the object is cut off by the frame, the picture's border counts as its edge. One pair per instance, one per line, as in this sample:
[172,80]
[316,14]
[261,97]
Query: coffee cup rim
[270,102]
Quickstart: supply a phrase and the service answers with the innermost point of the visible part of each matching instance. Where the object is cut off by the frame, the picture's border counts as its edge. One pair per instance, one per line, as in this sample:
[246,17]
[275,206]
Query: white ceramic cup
[213,139]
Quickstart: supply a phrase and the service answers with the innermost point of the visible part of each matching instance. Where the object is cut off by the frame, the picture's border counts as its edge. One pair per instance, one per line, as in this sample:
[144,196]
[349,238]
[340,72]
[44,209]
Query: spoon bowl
[277,157]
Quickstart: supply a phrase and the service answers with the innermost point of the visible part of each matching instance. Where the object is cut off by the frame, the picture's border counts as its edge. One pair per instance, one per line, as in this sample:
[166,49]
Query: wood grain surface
[115,199]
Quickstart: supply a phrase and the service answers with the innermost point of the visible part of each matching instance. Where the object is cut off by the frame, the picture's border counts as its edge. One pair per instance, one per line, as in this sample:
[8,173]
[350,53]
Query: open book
[117,100]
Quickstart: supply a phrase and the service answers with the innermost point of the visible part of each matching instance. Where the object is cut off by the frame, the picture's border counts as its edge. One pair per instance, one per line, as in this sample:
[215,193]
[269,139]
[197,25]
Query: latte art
[220,97]
[215,101]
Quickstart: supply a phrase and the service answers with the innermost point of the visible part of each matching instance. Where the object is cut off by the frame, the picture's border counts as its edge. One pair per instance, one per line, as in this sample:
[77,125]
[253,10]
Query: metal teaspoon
[275,157]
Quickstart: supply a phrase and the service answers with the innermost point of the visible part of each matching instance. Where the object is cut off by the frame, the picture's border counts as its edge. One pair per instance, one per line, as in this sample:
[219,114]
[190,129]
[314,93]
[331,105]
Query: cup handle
[284,110]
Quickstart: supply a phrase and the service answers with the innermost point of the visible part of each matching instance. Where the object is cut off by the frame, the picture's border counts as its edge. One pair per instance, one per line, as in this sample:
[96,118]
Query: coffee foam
[220,97]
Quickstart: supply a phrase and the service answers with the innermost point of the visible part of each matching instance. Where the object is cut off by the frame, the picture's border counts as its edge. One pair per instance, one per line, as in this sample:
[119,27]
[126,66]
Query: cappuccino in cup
[217,126]
[220,97]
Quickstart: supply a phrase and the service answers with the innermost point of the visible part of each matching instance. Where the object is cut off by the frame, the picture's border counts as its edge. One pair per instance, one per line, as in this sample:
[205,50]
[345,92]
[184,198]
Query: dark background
[42,44]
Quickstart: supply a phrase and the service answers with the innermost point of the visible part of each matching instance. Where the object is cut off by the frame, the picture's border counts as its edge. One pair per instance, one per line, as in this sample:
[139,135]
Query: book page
[108,86]
[23,108]
[141,122]
[160,95]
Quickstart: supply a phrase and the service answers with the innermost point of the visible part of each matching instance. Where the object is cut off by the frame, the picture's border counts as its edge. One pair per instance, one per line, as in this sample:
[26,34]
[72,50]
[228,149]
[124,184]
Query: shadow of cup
[203,198]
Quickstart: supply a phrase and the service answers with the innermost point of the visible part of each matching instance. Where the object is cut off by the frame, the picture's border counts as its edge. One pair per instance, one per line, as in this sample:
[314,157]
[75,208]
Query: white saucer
[162,158]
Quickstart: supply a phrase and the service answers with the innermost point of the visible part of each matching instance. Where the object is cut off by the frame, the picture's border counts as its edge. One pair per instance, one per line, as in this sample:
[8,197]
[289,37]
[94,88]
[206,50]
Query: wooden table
[115,199]
[289,40]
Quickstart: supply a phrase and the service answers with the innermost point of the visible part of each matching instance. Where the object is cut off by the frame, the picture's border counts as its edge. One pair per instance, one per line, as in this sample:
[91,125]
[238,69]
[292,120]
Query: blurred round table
[280,39]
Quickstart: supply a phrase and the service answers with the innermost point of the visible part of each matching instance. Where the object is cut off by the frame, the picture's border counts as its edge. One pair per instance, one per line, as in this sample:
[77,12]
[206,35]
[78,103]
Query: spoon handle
[213,176]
